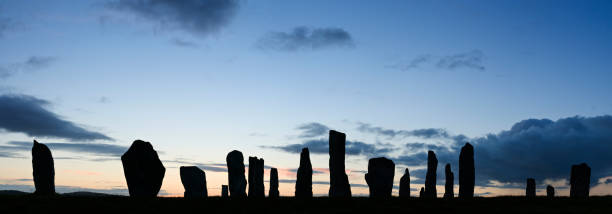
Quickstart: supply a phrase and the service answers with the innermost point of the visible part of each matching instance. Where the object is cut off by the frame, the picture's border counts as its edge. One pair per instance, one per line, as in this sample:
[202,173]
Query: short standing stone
[43,169]
[235,174]
[580,181]
[256,175]
[143,170]
[449,192]
[550,191]
[430,177]
[224,191]
[273,193]
[380,177]
[194,182]
[466,171]
[404,189]
[303,183]
[422,192]
[530,190]
[339,184]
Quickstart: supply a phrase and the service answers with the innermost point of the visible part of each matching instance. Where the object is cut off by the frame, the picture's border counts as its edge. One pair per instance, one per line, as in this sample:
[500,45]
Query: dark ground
[115,205]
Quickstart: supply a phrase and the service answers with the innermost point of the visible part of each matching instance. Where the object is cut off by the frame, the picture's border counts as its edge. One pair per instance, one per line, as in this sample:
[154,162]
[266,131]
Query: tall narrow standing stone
[224,192]
[143,170]
[303,183]
[449,192]
[273,193]
[235,174]
[530,191]
[339,184]
[550,191]
[580,181]
[466,171]
[404,189]
[43,170]
[194,182]
[430,178]
[380,177]
[256,175]
[422,192]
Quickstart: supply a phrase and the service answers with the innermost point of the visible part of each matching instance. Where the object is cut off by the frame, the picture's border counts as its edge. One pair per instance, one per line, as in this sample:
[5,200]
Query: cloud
[215,167]
[5,25]
[91,148]
[472,60]
[33,63]
[198,17]
[184,43]
[312,130]
[306,38]
[422,133]
[321,146]
[28,115]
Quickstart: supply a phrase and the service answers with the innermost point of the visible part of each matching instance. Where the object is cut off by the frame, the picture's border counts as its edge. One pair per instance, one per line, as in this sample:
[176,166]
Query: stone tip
[467,144]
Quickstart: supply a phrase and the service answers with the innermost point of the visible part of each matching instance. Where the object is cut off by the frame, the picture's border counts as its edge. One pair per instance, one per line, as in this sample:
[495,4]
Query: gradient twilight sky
[527,82]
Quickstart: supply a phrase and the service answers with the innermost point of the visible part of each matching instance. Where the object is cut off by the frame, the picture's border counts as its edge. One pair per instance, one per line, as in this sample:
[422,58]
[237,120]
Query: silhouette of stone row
[430,177]
[43,169]
[273,192]
[339,184]
[467,173]
[580,181]
[530,190]
[550,191]
[143,170]
[303,183]
[194,182]
[404,188]
[256,175]
[235,174]
[449,185]
[380,177]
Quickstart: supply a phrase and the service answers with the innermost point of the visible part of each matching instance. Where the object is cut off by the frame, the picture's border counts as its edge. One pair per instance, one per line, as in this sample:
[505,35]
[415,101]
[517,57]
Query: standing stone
[235,174]
[224,192]
[380,177]
[422,192]
[430,178]
[43,169]
[550,191]
[273,193]
[580,181]
[404,189]
[339,184]
[194,182]
[466,171]
[256,175]
[143,170]
[530,191]
[303,183]
[449,192]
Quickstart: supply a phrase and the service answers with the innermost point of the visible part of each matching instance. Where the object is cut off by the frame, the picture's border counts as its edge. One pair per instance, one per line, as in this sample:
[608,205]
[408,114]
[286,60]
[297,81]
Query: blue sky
[199,82]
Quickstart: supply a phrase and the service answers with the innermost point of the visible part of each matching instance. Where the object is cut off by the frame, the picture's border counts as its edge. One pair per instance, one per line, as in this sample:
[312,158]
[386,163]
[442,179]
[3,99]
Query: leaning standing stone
[194,182]
[43,169]
[430,177]
[143,170]
[404,189]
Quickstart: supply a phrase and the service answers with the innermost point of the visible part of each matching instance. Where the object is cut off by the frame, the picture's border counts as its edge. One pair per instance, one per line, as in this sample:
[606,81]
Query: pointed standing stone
[550,191]
[256,174]
[43,169]
[224,192]
[143,170]
[339,184]
[273,193]
[466,171]
[380,177]
[194,182]
[580,181]
[430,178]
[303,183]
[530,191]
[422,192]
[449,192]
[235,174]
[404,189]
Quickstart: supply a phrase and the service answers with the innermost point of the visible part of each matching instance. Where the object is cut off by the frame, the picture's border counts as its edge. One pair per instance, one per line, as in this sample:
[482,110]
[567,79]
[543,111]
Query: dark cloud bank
[306,38]
[538,148]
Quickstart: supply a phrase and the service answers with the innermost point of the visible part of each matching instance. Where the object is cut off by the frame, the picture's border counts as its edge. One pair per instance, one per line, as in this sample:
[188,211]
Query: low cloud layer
[321,146]
[33,63]
[29,115]
[101,149]
[391,133]
[472,60]
[306,38]
[312,130]
[198,17]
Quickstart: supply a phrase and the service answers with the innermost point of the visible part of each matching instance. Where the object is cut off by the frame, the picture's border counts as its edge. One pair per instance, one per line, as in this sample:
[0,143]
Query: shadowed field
[115,204]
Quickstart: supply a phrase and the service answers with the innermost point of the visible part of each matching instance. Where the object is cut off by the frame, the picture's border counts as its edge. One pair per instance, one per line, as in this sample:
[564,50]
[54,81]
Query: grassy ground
[497,205]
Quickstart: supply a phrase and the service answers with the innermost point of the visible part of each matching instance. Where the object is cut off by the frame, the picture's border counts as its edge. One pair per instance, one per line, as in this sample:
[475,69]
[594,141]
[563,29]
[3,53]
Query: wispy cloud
[184,43]
[422,133]
[91,148]
[33,63]
[321,146]
[306,38]
[312,130]
[473,60]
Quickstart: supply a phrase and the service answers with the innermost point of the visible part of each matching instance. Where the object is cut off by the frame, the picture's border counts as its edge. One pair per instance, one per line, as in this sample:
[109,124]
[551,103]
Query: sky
[525,82]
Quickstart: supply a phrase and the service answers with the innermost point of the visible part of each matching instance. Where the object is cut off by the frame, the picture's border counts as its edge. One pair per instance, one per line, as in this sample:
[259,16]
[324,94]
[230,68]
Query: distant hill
[12,192]
[88,194]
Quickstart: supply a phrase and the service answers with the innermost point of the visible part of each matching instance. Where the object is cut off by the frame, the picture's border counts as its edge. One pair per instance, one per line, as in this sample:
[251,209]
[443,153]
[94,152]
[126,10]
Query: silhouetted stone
[143,170]
[430,177]
[580,181]
[273,193]
[422,192]
[235,174]
[550,191]
[303,183]
[449,192]
[339,184]
[404,188]
[43,169]
[530,190]
[466,171]
[256,175]
[380,177]
[224,191]
[194,182]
